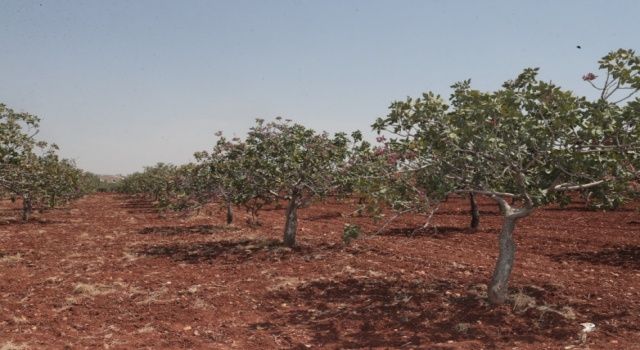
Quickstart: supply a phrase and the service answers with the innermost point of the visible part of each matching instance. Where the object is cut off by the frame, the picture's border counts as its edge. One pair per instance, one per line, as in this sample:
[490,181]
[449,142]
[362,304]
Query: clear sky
[123,84]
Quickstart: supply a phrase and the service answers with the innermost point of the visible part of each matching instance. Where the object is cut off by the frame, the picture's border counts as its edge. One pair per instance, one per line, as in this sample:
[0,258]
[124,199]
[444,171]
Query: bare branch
[490,193]
[594,85]
[398,214]
[569,187]
[626,97]
[605,86]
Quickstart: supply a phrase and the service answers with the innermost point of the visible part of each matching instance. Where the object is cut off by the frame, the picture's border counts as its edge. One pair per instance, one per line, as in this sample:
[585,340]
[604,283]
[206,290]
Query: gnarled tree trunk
[475,212]
[291,225]
[27,207]
[499,286]
[360,206]
[229,213]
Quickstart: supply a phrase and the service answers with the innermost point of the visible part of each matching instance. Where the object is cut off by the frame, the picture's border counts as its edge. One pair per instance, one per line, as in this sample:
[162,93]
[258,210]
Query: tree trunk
[475,212]
[291,225]
[499,287]
[27,207]
[52,201]
[360,206]
[229,213]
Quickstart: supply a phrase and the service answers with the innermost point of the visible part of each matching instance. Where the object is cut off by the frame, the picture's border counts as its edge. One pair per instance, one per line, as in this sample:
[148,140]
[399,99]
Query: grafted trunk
[475,212]
[229,213]
[499,286]
[291,225]
[27,207]
[498,290]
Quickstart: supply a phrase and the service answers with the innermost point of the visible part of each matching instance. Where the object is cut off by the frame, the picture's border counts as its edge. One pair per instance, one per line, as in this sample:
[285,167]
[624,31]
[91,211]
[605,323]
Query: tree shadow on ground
[234,251]
[586,209]
[626,256]
[185,230]
[32,221]
[467,213]
[431,231]
[364,312]
[324,216]
[139,205]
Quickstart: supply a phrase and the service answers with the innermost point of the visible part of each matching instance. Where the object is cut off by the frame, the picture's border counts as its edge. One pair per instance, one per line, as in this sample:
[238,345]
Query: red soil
[110,272]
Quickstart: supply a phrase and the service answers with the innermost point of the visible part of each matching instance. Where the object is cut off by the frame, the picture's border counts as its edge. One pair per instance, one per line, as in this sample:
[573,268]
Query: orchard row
[32,170]
[525,145]
[528,144]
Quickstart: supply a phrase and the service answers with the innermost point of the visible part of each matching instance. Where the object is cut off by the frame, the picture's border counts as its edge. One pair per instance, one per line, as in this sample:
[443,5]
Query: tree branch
[489,193]
[569,187]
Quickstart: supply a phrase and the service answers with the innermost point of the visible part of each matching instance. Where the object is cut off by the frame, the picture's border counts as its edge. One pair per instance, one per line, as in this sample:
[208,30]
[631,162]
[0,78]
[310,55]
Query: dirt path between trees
[110,272]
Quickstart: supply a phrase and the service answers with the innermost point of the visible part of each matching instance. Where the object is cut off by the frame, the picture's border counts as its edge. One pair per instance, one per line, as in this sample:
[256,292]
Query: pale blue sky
[123,84]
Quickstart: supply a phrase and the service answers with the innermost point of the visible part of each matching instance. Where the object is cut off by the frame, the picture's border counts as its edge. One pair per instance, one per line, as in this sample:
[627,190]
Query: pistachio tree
[20,166]
[530,141]
[154,182]
[228,172]
[32,169]
[297,163]
[25,180]
[61,180]
[17,144]
[382,177]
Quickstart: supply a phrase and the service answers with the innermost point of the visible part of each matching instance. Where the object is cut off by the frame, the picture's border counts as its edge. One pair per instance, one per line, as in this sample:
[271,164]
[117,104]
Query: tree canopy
[530,140]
